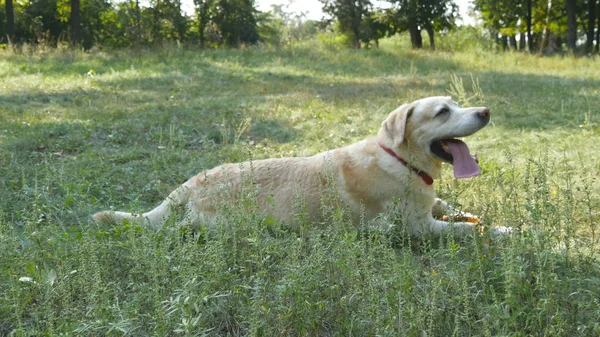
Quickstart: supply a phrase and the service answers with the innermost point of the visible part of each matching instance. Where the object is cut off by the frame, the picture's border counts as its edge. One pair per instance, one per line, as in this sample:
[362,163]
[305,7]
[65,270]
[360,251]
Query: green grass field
[83,132]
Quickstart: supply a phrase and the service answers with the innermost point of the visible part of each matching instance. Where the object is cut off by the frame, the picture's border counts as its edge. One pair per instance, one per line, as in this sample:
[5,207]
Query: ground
[83,132]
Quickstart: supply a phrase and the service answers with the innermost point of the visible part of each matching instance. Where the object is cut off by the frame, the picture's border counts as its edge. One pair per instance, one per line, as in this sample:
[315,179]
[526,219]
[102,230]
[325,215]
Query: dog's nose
[485,113]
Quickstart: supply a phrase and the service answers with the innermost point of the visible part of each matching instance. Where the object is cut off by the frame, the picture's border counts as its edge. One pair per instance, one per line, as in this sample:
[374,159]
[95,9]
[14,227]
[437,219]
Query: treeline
[542,25]
[130,22]
[533,25]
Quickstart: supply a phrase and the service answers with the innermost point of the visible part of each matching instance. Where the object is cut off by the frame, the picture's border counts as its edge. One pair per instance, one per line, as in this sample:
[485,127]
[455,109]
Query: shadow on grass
[202,91]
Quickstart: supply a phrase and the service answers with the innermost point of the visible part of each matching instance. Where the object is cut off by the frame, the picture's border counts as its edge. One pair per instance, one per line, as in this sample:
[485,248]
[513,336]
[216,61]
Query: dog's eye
[442,112]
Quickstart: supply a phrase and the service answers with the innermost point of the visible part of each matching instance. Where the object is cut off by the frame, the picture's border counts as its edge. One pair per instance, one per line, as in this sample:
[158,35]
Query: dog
[392,172]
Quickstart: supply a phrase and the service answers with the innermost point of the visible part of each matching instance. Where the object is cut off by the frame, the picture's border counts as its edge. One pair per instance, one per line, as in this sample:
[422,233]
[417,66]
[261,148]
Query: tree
[414,15]
[278,26]
[203,11]
[437,16]
[403,16]
[177,23]
[46,20]
[156,20]
[598,30]
[546,33]
[505,18]
[75,22]
[591,24]
[528,20]
[374,27]
[114,26]
[350,15]
[571,24]
[549,24]
[10,19]
[236,21]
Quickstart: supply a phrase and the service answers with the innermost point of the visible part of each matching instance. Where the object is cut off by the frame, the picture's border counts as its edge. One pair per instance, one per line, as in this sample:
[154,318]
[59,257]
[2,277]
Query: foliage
[236,22]
[85,131]
[286,28]
[233,23]
[362,23]
[203,13]
[509,18]
[465,38]
[351,17]
[127,23]
[414,15]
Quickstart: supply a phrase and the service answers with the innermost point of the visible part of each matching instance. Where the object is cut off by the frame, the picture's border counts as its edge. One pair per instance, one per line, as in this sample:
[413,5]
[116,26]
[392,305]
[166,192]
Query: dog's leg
[440,208]
[438,227]
[462,228]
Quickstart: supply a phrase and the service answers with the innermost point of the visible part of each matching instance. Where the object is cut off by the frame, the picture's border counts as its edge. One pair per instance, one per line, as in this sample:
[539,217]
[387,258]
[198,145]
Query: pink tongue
[464,165]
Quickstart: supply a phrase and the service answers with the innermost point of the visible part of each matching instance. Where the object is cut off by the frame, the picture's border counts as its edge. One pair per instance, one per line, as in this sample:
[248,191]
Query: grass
[82,132]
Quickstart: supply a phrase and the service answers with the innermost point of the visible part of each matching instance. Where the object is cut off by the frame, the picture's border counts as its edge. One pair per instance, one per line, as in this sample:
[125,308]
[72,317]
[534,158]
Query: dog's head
[428,129]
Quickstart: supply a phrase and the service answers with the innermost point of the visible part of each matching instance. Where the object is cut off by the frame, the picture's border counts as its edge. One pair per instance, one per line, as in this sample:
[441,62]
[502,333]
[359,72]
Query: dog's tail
[154,218]
[117,217]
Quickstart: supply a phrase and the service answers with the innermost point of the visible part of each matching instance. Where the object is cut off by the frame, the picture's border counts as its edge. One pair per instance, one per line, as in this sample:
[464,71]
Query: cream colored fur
[362,176]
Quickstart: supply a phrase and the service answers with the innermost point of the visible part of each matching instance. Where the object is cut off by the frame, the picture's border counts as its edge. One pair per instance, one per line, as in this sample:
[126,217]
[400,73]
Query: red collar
[426,177]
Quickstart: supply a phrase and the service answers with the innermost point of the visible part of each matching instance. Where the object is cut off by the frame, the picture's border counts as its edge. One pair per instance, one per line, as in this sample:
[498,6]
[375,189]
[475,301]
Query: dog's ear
[395,124]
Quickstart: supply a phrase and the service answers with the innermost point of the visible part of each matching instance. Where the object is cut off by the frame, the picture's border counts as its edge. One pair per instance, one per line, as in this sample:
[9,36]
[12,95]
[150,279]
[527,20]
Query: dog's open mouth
[457,153]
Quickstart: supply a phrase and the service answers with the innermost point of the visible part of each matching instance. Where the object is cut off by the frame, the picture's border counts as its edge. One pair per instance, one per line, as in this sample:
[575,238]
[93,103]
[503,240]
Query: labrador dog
[392,172]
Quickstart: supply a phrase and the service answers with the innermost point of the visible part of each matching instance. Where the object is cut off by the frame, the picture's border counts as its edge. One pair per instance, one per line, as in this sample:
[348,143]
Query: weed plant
[82,132]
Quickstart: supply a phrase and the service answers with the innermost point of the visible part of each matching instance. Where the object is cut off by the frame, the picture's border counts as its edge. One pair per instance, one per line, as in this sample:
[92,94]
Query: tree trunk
[522,42]
[556,41]
[513,42]
[571,24]
[415,36]
[201,37]
[529,37]
[431,33]
[10,19]
[355,37]
[75,22]
[550,43]
[156,24]
[546,33]
[598,30]
[138,23]
[201,15]
[589,38]
[536,39]
[355,24]
[178,21]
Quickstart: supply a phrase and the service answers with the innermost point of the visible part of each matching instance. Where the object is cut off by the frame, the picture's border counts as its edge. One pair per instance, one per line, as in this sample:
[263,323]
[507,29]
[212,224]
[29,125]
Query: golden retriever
[393,171]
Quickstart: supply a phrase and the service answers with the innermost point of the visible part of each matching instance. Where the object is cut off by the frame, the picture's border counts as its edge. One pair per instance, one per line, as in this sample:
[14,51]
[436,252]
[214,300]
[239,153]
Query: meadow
[83,132]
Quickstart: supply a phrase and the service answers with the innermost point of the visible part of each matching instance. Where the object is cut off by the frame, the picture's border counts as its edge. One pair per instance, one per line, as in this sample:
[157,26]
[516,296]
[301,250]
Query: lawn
[83,132]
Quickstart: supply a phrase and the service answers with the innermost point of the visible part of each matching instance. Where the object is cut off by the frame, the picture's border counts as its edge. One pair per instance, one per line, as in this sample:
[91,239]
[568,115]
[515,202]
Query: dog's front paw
[461,217]
[501,231]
